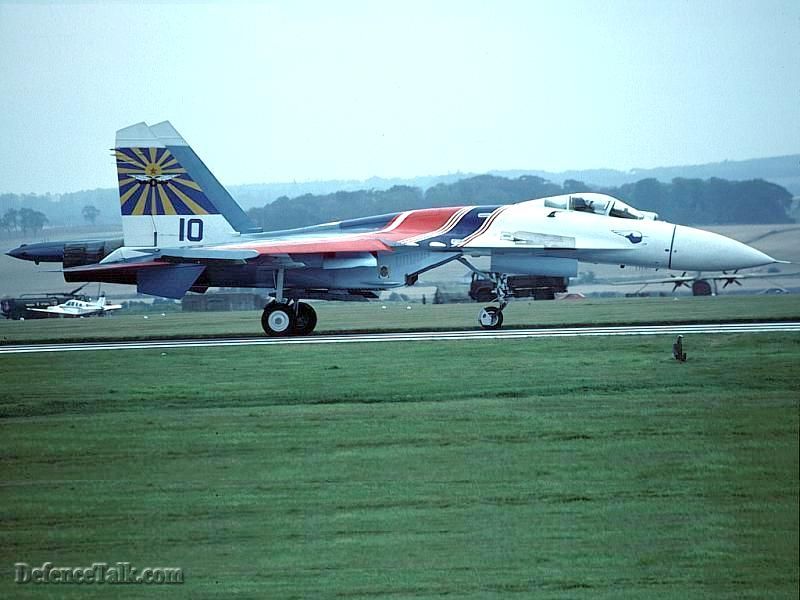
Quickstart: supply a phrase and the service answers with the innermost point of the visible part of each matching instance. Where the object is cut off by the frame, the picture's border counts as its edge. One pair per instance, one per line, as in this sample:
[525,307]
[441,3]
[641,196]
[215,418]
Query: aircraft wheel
[491,317]
[278,320]
[305,319]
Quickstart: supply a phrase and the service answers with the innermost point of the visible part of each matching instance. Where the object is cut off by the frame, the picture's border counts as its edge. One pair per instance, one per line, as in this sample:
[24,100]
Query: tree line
[24,220]
[689,201]
[27,220]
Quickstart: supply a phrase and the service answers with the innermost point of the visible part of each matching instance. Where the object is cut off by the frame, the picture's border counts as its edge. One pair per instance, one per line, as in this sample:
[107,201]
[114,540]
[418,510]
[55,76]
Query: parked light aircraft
[80,308]
[699,283]
[182,231]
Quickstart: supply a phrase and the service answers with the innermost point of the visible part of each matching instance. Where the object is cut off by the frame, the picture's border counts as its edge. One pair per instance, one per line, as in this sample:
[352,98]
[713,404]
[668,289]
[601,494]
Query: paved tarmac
[415,336]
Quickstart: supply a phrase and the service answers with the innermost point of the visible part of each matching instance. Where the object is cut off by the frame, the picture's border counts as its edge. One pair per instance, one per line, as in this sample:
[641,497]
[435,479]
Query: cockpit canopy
[600,205]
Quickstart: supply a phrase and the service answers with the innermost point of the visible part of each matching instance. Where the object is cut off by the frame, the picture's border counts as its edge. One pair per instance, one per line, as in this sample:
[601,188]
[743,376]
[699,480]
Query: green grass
[340,317]
[555,468]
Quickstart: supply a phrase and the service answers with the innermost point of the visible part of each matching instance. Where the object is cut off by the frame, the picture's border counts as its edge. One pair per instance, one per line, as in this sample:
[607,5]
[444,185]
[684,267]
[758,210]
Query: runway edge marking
[709,328]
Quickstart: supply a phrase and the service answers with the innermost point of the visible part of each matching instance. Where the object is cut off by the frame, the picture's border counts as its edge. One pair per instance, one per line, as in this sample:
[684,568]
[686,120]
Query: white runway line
[414,336]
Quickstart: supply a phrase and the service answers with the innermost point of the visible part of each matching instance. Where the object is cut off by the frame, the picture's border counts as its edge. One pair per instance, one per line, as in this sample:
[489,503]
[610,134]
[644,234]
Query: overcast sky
[303,90]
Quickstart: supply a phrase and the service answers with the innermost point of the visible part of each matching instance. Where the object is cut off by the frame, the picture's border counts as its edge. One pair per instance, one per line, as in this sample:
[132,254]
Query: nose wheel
[491,317]
[281,319]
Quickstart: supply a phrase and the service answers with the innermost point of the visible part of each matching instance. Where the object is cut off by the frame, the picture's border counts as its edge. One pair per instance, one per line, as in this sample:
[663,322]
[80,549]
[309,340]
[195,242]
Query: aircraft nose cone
[698,250]
[39,252]
[17,252]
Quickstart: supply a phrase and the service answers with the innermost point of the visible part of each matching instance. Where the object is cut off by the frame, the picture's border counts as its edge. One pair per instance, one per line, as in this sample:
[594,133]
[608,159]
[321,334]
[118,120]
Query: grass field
[339,317]
[555,468]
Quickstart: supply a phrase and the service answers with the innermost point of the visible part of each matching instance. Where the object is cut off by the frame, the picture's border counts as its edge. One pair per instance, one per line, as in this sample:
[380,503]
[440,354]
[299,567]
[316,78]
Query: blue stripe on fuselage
[468,224]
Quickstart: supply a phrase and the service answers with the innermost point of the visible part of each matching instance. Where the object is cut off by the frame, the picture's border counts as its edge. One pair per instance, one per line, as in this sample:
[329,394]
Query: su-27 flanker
[182,231]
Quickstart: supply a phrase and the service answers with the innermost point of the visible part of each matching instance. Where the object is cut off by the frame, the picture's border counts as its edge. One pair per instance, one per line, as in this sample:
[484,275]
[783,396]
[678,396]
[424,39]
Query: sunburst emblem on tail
[152,182]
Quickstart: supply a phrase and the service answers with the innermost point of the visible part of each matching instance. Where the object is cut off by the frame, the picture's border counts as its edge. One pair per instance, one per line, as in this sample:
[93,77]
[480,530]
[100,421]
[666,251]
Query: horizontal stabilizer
[169,282]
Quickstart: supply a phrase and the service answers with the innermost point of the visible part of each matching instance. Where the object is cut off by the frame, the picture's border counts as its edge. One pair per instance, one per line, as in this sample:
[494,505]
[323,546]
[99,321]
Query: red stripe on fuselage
[404,225]
[421,221]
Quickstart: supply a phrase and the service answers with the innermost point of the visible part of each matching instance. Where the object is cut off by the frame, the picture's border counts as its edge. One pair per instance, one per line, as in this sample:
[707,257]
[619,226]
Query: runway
[416,336]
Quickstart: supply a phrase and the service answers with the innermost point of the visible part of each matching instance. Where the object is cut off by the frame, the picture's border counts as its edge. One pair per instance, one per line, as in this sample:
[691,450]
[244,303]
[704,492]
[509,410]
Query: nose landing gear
[491,317]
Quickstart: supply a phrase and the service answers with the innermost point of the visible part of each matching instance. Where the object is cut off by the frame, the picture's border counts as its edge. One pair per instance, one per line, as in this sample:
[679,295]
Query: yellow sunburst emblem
[152,182]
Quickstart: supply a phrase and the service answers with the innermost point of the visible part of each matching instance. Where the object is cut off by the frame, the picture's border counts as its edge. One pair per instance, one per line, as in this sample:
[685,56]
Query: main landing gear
[288,318]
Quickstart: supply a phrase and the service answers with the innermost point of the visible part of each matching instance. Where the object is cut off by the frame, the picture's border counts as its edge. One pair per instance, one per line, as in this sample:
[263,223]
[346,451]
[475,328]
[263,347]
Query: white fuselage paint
[174,231]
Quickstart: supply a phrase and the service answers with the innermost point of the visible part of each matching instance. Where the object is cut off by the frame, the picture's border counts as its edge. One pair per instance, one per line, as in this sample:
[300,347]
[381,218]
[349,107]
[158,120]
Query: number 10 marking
[191,230]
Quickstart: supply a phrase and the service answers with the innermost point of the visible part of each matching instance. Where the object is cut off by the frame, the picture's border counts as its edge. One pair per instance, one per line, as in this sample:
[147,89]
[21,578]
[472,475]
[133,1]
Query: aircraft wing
[57,310]
[53,310]
[171,272]
[322,246]
[675,279]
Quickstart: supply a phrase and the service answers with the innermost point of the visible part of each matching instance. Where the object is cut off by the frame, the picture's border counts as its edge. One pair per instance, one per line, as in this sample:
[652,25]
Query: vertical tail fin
[168,197]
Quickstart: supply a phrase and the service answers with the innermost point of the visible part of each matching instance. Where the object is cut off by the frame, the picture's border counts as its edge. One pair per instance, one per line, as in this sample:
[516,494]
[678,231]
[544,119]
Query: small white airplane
[80,308]
[705,285]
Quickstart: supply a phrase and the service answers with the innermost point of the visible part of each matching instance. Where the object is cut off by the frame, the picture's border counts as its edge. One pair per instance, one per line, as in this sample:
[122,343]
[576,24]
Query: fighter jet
[80,308]
[182,231]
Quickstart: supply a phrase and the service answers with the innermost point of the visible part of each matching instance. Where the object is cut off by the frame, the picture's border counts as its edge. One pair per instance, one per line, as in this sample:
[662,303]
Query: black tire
[278,320]
[305,319]
[491,317]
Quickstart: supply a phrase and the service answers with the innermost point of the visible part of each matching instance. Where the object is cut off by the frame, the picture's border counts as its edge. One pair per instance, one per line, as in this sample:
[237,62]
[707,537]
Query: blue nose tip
[41,252]
[17,252]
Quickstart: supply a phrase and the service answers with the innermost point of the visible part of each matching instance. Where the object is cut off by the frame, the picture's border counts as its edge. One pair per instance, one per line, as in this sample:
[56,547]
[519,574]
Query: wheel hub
[278,320]
[488,318]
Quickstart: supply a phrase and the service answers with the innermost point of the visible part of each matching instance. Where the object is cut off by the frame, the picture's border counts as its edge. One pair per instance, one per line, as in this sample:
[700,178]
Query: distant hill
[782,170]
[682,200]
[65,209]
